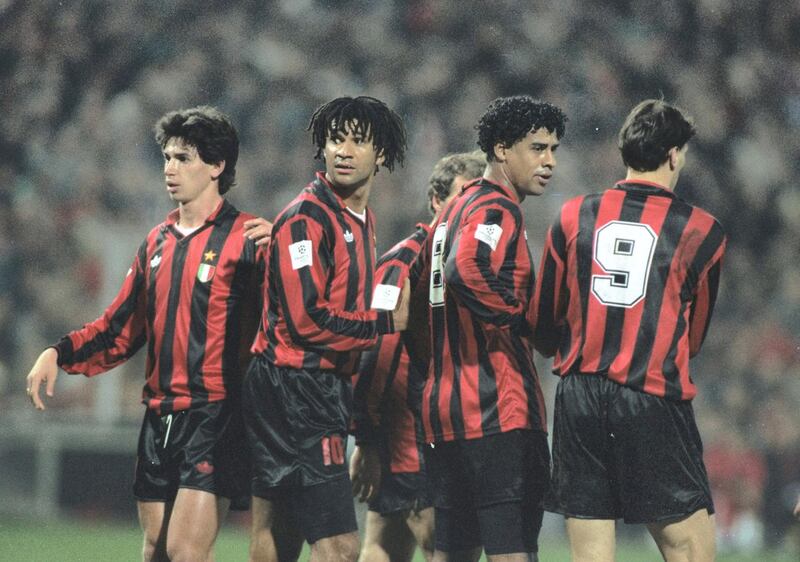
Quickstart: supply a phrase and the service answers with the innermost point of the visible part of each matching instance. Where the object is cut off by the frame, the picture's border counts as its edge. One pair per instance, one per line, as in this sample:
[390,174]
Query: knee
[183,551]
[373,552]
[153,549]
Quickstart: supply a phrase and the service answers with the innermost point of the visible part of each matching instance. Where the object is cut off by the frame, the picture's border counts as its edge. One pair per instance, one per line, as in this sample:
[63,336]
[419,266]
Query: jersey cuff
[63,349]
[385,322]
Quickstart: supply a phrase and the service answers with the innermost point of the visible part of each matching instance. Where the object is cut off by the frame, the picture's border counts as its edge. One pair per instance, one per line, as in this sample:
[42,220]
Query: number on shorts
[437,266]
[624,250]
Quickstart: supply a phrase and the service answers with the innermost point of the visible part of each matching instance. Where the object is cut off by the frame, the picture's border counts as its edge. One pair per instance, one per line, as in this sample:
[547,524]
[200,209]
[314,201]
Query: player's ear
[672,156]
[436,203]
[380,158]
[217,169]
[499,150]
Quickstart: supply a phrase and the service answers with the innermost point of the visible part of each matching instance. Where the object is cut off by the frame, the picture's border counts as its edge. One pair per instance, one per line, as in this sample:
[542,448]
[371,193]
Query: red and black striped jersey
[626,287]
[321,265]
[193,301]
[387,389]
[481,377]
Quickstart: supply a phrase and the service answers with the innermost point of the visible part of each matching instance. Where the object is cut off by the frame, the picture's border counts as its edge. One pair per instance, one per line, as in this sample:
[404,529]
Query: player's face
[529,163]
[350,158]
[186,175]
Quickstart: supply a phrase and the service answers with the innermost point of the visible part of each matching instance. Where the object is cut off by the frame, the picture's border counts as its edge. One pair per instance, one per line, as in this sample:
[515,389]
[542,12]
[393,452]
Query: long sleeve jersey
[626,288]
[193,301]
[482,379]
[320,263]
[388,387]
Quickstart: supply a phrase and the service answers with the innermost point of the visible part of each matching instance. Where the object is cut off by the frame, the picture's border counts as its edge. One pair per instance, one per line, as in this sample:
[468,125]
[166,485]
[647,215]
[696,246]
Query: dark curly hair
[372,118]
[508,120]
[210,132]
[467,164]
[651,129]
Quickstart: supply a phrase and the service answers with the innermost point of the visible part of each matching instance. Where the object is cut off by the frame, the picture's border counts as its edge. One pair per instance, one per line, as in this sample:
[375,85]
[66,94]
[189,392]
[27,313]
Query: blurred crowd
[80,176]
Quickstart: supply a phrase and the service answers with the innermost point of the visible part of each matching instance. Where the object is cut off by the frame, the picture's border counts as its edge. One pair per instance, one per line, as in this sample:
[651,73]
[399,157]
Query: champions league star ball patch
[205,272]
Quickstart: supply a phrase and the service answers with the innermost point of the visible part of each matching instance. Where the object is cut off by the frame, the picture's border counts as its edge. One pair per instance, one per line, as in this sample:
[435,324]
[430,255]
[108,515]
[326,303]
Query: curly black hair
[372,119]
[210,131]
[651,129]
[508,120]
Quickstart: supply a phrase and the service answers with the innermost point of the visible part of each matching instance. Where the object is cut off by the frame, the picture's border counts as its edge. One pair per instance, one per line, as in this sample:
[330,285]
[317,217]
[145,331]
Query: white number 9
[624,250]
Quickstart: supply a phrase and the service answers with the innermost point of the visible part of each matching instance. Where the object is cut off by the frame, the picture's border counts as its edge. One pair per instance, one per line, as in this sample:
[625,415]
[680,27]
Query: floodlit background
[82,83]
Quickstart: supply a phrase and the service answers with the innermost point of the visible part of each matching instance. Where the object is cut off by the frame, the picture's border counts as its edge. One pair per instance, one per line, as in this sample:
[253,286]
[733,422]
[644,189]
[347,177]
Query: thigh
[691,537]
[387,537]
[583,481]
[591,540]
[153,519]
[658,458]
[196,518]
[422,525]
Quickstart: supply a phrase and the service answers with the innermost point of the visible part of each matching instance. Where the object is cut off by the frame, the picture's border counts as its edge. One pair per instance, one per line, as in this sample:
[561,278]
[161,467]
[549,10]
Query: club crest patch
[205,272]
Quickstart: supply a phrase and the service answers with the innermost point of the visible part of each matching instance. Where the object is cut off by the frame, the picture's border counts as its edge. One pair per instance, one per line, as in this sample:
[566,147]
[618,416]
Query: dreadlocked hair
[508,120]
[365,116]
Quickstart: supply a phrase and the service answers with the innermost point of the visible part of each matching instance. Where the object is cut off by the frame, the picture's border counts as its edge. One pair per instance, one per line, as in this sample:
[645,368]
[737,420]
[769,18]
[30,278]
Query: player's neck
[663,176]
[195,212]
[355,198]
[495,172]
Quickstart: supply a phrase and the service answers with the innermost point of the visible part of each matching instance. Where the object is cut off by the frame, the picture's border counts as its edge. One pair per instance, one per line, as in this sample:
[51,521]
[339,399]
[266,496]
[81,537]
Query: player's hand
[258,229]
[400,313]
[365,472]
[45,370]
[796,511]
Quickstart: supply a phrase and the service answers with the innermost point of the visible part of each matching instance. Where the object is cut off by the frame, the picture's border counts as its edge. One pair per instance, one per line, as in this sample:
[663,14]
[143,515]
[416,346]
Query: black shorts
[297,422]
[203,448]
[401,491]
[621,453]
[488,491]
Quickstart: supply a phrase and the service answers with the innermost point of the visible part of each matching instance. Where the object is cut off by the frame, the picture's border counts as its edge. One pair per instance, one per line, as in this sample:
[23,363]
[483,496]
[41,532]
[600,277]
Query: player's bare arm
[45,370]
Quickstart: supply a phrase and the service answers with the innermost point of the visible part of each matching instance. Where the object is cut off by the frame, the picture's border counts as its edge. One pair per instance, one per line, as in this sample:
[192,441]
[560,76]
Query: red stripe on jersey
[653,215]
[609,210]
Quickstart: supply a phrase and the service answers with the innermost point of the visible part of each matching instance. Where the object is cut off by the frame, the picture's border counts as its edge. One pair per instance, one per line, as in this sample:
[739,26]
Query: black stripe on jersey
[487,381]
[391,275]
[631,211]
[713,287]
[369,265]
[457,415]
[529,377]
[436,319]
[151,299]
[166,360]
[674,224]
[587,216]
[704,253]
[198,319]
[246,277]
[386,393]
[353,273]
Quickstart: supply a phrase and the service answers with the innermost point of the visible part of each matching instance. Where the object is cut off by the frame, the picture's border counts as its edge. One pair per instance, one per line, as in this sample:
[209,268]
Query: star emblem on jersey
[209,255]
[205,272]
[348,236]
[155,261]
